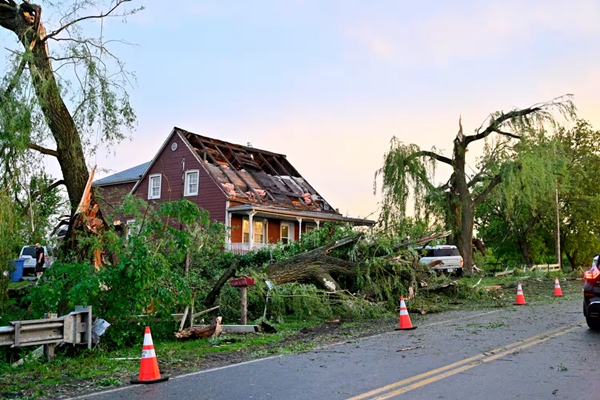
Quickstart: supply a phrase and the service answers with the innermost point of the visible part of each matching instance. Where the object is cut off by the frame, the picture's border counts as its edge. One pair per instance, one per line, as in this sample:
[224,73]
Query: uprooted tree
[61,86]
[409,170]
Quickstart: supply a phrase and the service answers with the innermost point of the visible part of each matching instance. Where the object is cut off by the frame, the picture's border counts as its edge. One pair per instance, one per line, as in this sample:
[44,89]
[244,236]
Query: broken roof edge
[247,148]
[322,216]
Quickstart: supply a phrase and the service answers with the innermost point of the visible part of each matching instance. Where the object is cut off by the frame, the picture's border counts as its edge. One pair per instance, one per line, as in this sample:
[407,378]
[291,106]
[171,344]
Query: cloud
[465,32]
[378,45]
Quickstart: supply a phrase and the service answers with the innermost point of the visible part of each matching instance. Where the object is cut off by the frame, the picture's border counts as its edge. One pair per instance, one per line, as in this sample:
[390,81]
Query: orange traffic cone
[149,366]
[557,289]
[520,298]
[404,319]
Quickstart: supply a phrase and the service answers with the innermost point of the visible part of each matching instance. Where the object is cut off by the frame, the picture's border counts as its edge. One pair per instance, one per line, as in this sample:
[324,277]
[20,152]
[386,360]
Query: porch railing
[243,248]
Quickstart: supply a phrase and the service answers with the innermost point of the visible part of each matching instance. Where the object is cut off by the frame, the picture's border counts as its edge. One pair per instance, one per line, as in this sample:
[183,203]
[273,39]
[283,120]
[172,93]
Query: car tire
[593,323]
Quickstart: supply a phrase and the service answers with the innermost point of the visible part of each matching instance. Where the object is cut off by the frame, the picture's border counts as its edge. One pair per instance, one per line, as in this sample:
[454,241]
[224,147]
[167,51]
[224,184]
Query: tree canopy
[63,91]
[408,170]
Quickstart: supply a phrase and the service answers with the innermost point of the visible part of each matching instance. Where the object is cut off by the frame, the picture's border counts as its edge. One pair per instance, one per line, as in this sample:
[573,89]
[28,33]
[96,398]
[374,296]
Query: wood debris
[441,286]
[410,348]
[493,287]
[212,330]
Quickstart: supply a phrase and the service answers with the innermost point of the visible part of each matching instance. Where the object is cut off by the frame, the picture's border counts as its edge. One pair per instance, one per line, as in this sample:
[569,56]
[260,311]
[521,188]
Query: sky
[329,83]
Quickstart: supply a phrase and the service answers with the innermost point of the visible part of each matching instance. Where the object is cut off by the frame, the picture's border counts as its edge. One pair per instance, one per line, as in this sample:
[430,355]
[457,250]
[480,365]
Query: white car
[28,253]
[445,257]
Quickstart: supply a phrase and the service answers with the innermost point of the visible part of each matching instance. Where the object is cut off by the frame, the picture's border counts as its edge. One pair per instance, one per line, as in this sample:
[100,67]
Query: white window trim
[150,197]
[290,226]
[187,185]
[254,233]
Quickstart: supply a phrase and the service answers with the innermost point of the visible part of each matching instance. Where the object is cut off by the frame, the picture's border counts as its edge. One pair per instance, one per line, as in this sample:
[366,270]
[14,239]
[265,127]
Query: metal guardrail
[74,328]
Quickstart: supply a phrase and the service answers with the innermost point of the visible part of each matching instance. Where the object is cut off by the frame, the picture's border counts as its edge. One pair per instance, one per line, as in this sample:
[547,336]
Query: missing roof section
[251,175]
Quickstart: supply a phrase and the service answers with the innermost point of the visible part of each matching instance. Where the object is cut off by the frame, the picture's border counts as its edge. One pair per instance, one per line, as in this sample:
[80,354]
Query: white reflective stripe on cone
[148,353]
[147,340]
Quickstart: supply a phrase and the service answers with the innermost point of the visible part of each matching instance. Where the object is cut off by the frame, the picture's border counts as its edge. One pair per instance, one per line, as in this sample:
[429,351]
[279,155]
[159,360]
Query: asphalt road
[542,351]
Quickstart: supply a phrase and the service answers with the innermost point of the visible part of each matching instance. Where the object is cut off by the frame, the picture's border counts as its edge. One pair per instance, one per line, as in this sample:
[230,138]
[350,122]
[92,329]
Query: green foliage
[409,171]
[578,192]
[516,219]
[9,243]
[405,174]
[143,272]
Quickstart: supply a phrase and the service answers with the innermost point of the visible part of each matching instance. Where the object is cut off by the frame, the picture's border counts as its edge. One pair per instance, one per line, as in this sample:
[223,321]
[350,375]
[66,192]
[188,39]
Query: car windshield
[446,252]
[29,251]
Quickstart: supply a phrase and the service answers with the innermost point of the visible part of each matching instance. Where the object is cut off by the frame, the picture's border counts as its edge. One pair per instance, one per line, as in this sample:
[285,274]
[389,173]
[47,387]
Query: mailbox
[241,282]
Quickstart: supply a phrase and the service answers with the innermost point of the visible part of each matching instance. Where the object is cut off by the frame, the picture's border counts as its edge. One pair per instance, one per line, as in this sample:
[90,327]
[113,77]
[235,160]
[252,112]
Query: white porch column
[299,227]
[251,228]
[228,228]
[318,223]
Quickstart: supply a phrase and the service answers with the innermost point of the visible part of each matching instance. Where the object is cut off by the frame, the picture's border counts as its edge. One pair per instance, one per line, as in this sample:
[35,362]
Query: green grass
[100,368]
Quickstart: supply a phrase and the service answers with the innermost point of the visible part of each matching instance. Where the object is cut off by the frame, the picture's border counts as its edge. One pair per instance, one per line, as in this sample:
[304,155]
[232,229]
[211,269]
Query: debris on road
[410,348]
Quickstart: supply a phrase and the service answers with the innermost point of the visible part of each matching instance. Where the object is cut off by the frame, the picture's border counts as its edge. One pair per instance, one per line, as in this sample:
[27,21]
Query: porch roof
[283,212]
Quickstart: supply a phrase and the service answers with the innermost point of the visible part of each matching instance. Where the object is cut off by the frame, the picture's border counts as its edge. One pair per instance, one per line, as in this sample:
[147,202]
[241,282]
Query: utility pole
[558,252]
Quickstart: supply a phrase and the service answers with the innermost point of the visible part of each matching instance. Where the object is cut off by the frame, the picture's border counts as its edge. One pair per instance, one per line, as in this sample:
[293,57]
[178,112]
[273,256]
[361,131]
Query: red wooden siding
[273,230]
[170,164]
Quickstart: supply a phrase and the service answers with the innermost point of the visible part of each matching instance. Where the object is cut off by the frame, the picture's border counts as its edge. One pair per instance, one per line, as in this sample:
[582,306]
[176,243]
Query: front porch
[255,226]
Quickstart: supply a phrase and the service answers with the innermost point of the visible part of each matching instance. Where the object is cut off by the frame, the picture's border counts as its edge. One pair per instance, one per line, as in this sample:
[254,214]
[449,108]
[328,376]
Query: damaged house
[257,193]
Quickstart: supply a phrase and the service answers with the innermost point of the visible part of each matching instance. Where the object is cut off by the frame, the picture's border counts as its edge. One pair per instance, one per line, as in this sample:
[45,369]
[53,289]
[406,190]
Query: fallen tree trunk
[315,267]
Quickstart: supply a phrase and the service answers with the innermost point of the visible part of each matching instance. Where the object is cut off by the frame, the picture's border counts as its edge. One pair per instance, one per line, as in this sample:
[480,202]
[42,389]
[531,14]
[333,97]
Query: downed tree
[212,330]
[316,267]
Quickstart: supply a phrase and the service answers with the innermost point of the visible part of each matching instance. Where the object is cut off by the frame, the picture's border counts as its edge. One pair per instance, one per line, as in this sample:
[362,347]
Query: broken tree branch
[493,183]
[205,312]
[431,154]
[214,329]
[43,150]
[109,12]
[511,135]
[496,122]
[41,192]
[214,293]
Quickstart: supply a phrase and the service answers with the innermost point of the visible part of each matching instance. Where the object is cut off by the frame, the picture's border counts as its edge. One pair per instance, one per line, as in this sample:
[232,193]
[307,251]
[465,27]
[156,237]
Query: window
[154,186]
[287,232]
[191,183]
[310,227]
[258,230]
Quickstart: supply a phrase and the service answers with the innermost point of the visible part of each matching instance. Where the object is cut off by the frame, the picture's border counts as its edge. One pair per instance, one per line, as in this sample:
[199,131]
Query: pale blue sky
[328,83]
